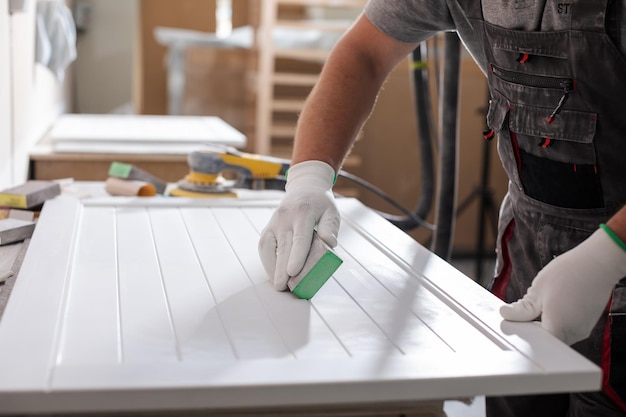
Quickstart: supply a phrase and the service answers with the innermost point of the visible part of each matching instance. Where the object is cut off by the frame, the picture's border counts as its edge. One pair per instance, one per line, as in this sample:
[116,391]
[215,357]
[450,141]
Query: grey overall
[557,105]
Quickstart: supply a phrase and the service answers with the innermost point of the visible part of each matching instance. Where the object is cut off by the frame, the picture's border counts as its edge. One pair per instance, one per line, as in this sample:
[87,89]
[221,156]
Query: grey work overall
[557,105]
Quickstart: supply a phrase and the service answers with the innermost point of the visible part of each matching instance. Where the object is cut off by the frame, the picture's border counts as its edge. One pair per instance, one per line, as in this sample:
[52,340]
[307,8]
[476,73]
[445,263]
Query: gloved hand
[572,291]
[286,240]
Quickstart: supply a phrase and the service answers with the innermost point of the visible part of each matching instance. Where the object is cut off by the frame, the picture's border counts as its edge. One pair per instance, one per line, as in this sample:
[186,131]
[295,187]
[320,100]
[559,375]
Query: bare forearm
[343,99]
[617,224]
[335,112]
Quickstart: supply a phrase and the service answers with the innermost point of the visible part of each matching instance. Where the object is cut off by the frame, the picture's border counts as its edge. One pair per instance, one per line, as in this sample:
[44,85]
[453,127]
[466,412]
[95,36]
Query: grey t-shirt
[417,20]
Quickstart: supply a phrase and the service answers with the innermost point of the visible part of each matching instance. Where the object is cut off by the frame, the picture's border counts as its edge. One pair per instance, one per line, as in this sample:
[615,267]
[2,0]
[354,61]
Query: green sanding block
[131,172]
[319,266]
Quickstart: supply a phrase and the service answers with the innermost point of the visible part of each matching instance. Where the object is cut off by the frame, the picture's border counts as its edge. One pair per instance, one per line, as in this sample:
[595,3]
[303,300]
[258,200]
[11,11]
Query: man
[554,72]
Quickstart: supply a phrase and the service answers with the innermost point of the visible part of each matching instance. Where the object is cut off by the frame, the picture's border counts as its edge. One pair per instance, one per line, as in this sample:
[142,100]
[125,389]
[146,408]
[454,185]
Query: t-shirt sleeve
[409,20]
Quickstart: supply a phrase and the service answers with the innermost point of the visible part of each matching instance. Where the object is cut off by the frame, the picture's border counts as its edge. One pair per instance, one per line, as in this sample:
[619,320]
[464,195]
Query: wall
[104,67]
[36,98]
[6,148]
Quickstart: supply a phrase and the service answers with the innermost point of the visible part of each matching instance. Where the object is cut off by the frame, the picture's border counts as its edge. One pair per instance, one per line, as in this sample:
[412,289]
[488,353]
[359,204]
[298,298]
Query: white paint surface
[115,133]
[139,304]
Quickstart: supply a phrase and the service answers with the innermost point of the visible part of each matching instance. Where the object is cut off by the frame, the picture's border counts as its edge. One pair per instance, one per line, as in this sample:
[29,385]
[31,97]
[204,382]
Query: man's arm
[573,290]
[617,224]
[343,99]
[333,115]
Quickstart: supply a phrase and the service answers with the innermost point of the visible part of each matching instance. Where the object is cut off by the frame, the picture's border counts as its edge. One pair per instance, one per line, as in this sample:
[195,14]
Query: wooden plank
[288,105]
[265,70]
[284,130]
[302,54]
[301,80]
[326,3]
[325,25]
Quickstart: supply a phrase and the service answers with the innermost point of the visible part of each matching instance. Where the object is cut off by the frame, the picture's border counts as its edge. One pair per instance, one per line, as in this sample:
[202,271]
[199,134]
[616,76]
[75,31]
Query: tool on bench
[219,170]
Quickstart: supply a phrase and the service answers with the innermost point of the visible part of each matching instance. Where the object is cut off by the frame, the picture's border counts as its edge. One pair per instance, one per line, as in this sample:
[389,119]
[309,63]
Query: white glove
[572,291]
[308,202]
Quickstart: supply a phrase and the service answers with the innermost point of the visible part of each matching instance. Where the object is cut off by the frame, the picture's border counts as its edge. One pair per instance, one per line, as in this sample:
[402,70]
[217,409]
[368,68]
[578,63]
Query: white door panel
[168,298]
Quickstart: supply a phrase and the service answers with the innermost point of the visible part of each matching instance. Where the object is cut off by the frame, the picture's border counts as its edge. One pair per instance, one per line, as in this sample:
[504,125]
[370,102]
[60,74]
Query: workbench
[128,305]
[83,146]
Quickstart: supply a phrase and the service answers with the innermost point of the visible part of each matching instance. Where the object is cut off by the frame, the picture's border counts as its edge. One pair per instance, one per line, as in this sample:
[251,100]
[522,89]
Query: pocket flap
[553,44]
[498,108]
[568,125]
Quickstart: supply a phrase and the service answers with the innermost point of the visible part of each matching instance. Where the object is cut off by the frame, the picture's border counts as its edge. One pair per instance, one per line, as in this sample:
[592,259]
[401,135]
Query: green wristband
[613,236]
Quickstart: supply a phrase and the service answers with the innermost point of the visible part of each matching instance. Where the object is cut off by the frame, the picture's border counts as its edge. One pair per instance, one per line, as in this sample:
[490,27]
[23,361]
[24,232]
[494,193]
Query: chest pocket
[555,160]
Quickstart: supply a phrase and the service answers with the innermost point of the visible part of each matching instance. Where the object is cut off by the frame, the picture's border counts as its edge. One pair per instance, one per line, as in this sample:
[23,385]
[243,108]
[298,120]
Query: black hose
[449,103]
[423,108]
[410,216]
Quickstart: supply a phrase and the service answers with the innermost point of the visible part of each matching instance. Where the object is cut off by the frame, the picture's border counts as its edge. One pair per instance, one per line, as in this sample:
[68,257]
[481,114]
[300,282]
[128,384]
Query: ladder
[285,75]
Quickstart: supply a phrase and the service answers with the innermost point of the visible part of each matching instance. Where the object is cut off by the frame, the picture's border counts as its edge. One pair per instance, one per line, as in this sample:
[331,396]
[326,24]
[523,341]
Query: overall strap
[588,15]
[473,9]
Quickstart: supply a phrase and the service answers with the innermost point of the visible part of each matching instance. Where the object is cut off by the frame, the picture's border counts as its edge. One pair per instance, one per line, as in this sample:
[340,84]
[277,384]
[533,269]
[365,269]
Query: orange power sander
[220,170]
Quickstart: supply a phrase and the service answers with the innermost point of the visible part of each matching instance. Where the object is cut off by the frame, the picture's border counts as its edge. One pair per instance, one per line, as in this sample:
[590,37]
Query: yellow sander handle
[252,171]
